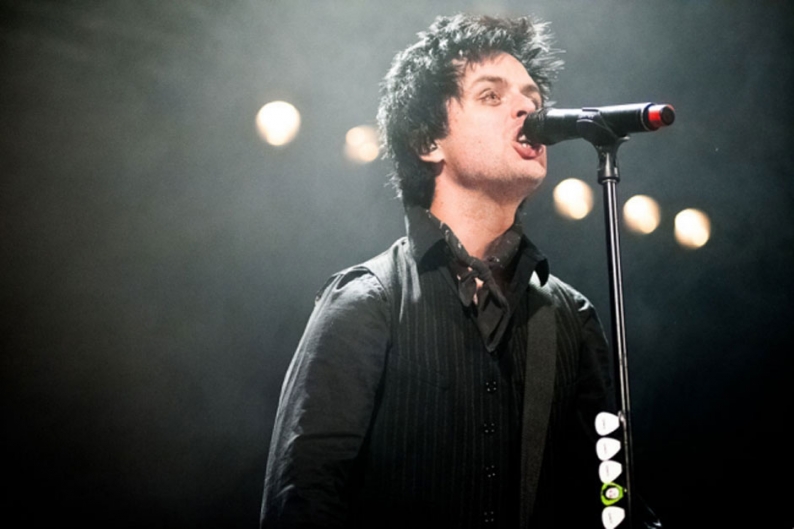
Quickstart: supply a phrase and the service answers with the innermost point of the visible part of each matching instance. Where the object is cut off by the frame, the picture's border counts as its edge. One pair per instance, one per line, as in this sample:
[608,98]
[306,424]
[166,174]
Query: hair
[412,113]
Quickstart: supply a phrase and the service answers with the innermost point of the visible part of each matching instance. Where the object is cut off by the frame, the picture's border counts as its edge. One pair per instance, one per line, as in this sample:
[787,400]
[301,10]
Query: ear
[434,154]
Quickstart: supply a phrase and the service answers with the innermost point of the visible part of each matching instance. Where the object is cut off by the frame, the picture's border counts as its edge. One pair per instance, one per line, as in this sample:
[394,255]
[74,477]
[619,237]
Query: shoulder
[349,288]
[573,308]
[566,296]
[367,283]
[388,264]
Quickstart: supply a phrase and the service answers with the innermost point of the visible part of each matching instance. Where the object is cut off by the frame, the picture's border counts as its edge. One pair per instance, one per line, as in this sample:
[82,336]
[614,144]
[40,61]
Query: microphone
[548,126]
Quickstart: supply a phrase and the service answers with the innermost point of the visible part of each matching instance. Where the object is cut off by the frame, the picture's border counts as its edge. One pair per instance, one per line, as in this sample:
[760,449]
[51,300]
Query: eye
[490,97]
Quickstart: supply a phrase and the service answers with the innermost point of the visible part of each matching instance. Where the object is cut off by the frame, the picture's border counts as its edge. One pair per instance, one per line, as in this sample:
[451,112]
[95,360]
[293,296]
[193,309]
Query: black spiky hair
[413,107]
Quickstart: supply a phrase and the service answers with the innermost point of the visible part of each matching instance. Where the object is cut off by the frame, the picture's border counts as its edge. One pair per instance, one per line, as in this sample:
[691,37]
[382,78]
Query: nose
[524,107]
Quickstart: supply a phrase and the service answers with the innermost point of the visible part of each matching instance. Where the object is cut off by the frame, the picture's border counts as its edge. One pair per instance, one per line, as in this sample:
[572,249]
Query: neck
[476,218]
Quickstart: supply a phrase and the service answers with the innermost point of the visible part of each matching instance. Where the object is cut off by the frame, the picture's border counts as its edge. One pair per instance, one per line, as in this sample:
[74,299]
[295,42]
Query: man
[451,381]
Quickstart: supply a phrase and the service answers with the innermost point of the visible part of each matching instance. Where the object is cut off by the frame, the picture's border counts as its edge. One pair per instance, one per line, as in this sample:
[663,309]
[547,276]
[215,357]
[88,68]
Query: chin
[517,188]
[532,187]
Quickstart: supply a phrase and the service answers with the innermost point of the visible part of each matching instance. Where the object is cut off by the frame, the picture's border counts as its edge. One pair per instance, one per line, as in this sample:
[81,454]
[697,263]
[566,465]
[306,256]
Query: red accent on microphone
[660,116]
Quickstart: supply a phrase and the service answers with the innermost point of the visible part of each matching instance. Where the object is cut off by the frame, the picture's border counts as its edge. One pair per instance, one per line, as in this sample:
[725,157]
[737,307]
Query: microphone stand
[595,130]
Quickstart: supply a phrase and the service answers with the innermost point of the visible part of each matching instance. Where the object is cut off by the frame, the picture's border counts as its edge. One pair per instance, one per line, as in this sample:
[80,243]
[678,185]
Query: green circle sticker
[611,493]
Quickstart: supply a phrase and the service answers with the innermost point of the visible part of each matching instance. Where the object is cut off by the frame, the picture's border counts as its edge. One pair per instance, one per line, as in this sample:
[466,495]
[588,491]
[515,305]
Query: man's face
[485,148]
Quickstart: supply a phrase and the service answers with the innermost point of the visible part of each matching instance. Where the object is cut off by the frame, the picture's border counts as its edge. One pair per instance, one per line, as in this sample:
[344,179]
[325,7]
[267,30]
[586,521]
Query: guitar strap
[538,392]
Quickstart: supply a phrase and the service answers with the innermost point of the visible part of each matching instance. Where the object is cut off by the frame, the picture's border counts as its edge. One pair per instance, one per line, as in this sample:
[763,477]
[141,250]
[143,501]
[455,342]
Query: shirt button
[490,387]
[489,428]
[490,471]
[489,517]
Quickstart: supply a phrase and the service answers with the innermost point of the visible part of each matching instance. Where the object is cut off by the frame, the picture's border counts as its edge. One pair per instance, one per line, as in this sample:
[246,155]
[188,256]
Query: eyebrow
[528,90]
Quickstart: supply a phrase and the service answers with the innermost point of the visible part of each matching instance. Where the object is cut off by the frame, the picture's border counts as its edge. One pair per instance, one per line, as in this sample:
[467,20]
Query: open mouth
[522,139]
[525,148]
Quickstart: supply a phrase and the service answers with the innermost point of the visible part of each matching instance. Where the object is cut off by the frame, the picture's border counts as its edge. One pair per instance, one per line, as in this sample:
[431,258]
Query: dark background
[158,261]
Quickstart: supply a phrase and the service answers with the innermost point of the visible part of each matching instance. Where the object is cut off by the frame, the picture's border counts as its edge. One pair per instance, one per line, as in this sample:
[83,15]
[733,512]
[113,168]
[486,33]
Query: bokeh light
[361,144]
[641,214]
[573,199]
[278,122]
[692,228]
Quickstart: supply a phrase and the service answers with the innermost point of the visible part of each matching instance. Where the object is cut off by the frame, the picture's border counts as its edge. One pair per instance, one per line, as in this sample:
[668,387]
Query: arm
[595,394]
[586,391]
[599,394]
[596,390]
[326,405]
[590,361]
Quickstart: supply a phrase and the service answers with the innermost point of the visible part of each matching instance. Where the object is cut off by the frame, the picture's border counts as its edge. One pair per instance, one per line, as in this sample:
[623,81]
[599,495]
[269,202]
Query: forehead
[501,67]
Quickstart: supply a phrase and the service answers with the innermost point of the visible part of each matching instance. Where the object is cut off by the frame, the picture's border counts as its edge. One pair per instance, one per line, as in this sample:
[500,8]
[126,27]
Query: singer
[451,381]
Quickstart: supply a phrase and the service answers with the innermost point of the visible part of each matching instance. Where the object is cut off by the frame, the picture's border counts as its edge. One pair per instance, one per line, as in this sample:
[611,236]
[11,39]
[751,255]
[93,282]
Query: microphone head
[659,116]
[533,127]
[548,126]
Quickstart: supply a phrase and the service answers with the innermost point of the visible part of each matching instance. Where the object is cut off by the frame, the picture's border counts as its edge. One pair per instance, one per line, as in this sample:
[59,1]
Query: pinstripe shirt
[394,414]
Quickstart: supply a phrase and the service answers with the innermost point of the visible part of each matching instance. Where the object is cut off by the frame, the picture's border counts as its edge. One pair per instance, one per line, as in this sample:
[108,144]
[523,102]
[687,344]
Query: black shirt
[397,410]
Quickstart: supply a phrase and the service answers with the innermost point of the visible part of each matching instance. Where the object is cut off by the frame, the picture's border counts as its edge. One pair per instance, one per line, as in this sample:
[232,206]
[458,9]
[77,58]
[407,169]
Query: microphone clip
[593,128]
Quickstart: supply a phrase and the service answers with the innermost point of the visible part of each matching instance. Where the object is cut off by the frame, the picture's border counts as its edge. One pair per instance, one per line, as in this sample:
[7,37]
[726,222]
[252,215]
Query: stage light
[692,228]
[573,199]
[641,214]
[361,144]
[278,122]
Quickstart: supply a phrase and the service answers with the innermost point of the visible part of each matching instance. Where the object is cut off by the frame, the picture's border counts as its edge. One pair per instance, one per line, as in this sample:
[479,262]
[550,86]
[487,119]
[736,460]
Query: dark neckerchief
[490,304]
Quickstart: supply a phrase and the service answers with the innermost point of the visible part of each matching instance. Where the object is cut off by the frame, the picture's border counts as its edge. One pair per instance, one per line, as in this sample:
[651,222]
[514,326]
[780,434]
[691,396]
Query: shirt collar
[425,233]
